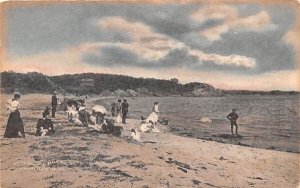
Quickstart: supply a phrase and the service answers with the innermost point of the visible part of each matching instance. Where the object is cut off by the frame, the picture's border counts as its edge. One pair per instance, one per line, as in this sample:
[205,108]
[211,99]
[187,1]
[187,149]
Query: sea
[269,122]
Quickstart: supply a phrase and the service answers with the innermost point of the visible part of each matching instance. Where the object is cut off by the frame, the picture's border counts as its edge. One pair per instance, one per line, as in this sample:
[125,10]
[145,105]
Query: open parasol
[99,108]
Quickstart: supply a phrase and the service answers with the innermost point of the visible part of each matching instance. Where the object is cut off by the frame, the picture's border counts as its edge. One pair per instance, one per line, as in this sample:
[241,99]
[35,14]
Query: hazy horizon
[245,46]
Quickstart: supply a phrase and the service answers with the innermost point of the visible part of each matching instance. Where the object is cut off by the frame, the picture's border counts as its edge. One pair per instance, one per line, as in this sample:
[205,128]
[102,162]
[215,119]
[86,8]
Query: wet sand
[76,158]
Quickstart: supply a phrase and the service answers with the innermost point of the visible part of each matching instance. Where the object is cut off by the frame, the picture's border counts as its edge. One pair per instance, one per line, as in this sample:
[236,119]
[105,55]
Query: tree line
[37,82]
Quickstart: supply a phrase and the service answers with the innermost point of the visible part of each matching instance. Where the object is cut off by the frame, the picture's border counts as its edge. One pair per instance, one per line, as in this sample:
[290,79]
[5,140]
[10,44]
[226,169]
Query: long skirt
[14,127]
[118,118]
[152,117]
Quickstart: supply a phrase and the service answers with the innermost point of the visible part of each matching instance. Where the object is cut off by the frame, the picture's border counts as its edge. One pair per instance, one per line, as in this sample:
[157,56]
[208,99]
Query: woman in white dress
[153,117]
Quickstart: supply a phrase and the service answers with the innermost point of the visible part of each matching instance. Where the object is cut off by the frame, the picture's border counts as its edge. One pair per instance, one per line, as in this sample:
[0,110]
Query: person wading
[233,118]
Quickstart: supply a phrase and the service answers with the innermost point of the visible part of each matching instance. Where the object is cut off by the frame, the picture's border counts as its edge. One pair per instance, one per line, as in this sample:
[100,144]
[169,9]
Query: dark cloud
[115,56]
[179,58]
[268,50]
[33,30]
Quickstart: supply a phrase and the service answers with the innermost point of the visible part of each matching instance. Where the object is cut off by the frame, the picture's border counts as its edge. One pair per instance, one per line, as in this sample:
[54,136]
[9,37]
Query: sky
[231,46]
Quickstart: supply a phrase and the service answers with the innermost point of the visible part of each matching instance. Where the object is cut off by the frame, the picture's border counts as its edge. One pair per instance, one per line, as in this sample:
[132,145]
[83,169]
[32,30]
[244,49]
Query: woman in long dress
[118,112]
[14,127]
[153,117]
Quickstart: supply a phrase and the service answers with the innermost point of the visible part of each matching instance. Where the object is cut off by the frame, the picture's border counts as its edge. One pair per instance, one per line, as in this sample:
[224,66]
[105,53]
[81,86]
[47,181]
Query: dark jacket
[46,124]
[54,100]
[124,107]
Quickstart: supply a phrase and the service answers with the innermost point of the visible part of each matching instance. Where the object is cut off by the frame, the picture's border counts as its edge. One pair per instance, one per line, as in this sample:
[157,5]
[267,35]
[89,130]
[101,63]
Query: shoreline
[160,160]
[102,99]
[237,144]
[73,157]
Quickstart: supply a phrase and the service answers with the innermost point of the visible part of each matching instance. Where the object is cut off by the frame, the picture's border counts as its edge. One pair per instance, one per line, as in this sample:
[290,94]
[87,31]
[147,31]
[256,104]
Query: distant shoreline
[116,85]
[239,93]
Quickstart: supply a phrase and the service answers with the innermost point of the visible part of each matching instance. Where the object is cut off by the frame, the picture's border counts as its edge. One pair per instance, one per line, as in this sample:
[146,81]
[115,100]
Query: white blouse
[13,105]
[156,108]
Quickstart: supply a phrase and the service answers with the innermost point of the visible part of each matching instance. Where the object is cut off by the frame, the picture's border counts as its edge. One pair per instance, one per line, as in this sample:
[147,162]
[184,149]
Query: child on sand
[233,118]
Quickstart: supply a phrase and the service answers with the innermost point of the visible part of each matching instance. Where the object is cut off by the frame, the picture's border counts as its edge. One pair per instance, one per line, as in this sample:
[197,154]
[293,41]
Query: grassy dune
[75,158]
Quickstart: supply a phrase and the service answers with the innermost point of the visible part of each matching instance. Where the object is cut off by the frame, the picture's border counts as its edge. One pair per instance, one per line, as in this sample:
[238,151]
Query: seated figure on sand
[99,123]
[96,120]
[73,115]
[83,115]
[154,114]
[148,127]
[44,125]
[135,135]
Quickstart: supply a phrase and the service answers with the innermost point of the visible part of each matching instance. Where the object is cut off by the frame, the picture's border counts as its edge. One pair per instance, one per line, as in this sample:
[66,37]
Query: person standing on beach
[54,104]
[233,118]
[124,110]
[118,111]
[113,109]
[14,127]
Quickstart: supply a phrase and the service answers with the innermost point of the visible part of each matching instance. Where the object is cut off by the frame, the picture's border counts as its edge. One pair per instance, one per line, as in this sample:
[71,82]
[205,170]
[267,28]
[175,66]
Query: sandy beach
[74,157]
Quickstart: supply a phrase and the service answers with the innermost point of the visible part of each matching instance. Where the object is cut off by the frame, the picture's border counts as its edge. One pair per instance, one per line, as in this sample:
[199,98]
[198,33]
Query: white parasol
[99,108]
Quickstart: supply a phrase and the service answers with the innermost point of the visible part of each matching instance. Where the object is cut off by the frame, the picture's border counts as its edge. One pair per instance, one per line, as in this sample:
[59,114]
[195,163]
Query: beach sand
[76,158]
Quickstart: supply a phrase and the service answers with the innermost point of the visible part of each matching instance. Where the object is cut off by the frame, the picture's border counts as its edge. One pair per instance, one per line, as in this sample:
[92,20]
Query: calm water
[264,121]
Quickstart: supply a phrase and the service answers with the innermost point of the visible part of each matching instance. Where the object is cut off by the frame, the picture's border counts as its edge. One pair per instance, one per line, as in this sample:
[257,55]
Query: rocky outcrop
[131,93]
[106,93]
[202,90]
[121,93]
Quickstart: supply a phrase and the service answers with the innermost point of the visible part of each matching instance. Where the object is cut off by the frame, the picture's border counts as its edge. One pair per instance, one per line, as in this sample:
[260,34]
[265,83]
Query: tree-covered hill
[108,84]
[72,83]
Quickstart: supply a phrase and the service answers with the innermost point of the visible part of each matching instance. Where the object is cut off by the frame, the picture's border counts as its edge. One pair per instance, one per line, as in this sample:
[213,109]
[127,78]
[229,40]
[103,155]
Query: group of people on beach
[77,114]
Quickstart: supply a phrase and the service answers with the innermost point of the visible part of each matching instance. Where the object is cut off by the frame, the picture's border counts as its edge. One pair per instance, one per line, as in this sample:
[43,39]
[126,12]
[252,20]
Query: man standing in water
[124,109]
[54,104]
[233,118]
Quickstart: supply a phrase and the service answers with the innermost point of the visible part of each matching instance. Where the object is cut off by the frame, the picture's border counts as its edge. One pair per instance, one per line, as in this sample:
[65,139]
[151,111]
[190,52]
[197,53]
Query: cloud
[234,60]
[153,47]
[146,44]
[293,37]
[231,20]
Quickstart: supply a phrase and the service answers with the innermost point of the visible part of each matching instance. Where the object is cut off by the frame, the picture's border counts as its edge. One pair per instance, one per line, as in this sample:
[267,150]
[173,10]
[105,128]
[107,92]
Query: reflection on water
[264,121]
